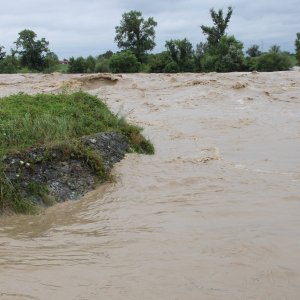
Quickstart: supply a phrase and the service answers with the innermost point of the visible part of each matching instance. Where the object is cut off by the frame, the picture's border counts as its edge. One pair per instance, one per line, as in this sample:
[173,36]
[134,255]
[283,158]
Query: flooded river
[214,214]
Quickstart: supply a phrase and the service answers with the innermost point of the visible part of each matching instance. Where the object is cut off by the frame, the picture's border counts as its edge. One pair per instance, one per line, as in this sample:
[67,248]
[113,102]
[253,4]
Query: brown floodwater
[214,214]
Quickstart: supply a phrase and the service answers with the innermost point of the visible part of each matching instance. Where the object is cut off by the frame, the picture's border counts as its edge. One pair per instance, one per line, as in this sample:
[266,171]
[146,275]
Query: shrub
[251,63]
[227,57]
[124,62]
[297,47]
[181,52]
[158,62]
[273,61]
[172,67]
[102,66]
[9,65]
[208,63]
[77,65]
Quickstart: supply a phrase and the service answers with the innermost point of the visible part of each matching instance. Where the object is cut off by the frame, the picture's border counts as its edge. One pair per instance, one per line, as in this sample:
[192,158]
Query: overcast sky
[83,27]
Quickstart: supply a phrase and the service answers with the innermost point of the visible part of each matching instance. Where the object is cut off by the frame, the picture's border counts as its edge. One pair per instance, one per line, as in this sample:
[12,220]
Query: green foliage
[51,63]
[273,61]
[62,68]
[11,199]
[228,56]
[32,52]
[181,52]
[136,34]
[90,63]
[221,53]
[102,66]
[55,121]
[2,53]
[275,49]
[107,55]
[28,121]
[158,62]
[201,50]
[293,59]
[77,65]
[216,32]
[297,46]
[9,65]
[172,67]
[253,51]
[251,63]
[208,62]
[124,62]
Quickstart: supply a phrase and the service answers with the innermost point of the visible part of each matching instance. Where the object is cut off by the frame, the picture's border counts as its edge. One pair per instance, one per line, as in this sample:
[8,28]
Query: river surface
[214,214]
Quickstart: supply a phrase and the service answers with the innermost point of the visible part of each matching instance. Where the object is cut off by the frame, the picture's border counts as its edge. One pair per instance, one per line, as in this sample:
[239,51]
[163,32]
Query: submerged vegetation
[53,122]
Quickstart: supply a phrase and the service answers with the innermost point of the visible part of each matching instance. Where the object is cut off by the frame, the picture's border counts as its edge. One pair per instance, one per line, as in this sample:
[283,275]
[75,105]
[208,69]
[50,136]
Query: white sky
[83,27]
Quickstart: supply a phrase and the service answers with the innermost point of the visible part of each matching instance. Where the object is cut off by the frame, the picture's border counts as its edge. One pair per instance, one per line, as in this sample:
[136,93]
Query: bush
[273,61]
[158,62]
[77,65]
[227,57]
[251,63]
[208,63]
[145,68]
[124,62]
[9,65]
[90,64]
[172,67]
[102,66]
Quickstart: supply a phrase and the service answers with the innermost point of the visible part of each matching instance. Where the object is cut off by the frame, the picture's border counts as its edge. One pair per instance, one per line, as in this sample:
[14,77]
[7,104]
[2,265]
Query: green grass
[62,68]
[46,120]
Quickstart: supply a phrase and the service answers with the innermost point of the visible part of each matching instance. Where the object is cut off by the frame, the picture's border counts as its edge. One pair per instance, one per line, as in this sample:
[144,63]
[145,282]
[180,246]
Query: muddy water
[214,214]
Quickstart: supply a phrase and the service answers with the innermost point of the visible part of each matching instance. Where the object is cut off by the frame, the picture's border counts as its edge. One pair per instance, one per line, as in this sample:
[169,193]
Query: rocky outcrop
[111,145]
[63,172]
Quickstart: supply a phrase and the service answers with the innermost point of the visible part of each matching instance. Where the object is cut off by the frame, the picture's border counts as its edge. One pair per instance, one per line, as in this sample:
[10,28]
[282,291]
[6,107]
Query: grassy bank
[47,120]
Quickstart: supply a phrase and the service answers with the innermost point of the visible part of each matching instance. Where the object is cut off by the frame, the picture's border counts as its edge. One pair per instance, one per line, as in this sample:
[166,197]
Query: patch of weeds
[11,200]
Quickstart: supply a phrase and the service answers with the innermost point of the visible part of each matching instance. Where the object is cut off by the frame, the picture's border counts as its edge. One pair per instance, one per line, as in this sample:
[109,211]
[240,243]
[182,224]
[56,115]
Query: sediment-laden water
[214,214]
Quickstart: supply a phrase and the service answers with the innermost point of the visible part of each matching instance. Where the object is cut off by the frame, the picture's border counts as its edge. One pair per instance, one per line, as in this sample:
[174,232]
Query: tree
[216,32]
[136,34]
[51,62]
[77,65]
[253,51]
[124,62]
[32,52]
[275,49]
[157,62]
[107,55]
[201,50]
[90,63]
[2,53]
[228,56]
[297,45]
[181,52]
[9,65]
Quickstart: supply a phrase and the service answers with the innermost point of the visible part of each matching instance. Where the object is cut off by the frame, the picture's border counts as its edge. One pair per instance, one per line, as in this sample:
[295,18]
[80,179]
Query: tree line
[29,54]
[135,37]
